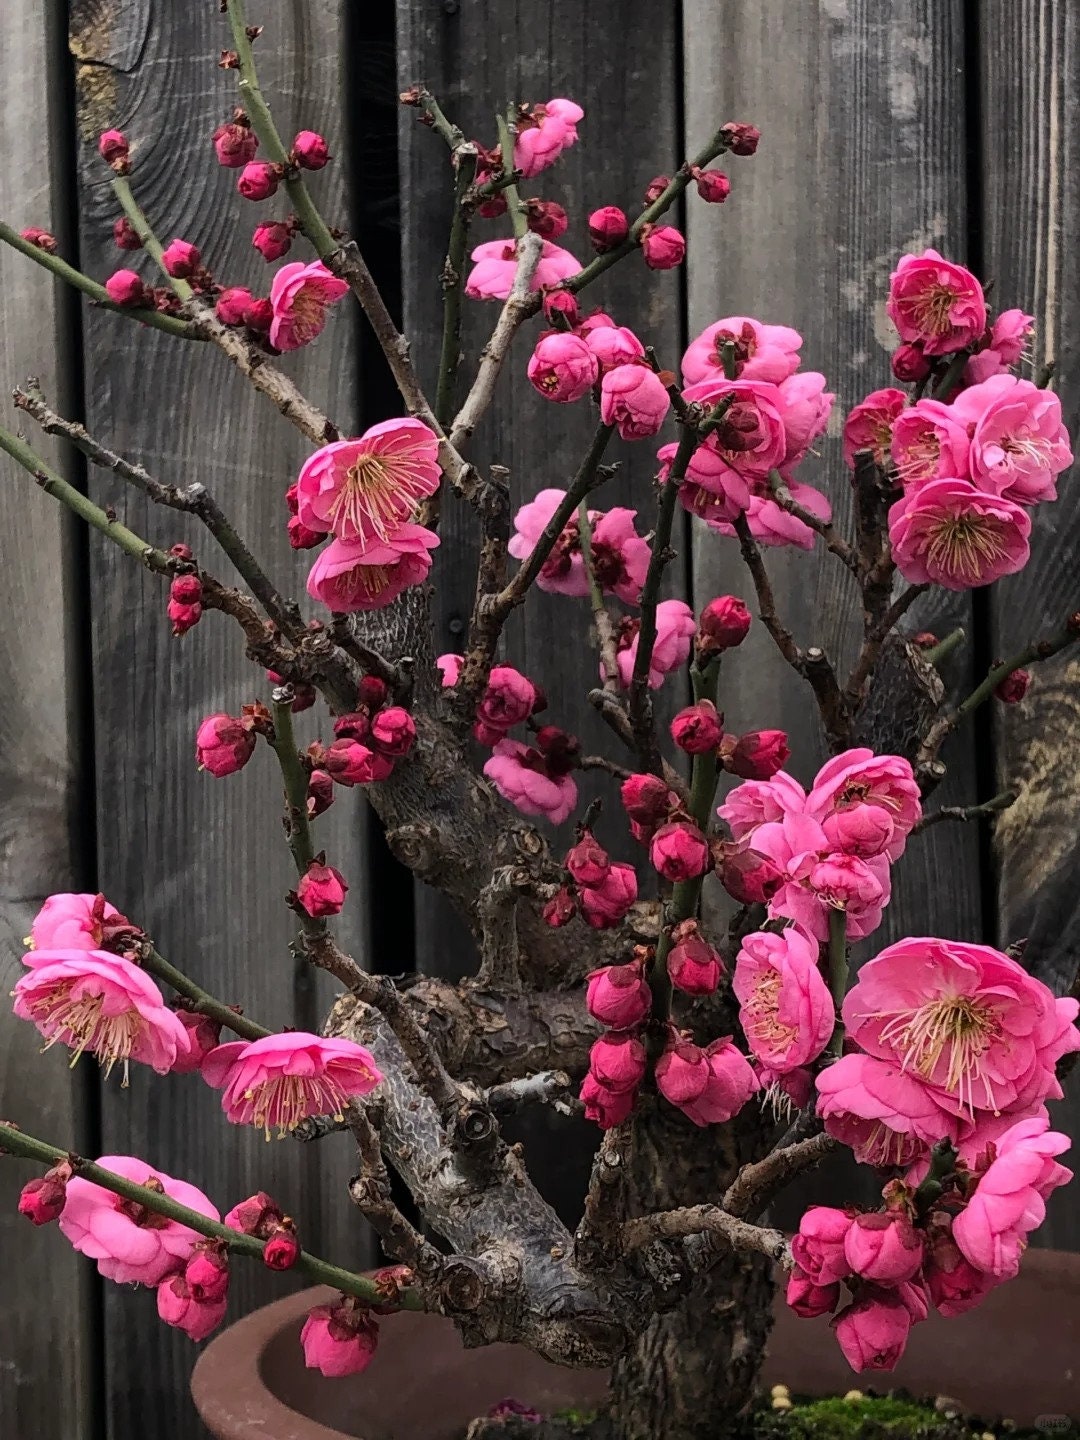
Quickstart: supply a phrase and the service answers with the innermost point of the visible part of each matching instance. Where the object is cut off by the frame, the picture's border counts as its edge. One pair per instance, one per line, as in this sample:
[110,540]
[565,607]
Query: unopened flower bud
[662,246]
[42,1199]
[925,639]
[1014,687]
[723,624]
[272,239]
[321,890]
[320,793]
[181,259]
[207,1271]
[646,799]
[224,744]
[185,602]
[126,288]
[757,755]
[546,218]
[232,303]
[203,1035]
[113,149]
[560,749]
[125,236]
[656,187]
[351,763]
[608,227]
[694,965]
[560,305]
[712,185]
[587,861]
[679,851]
[43,239]
[560,909]
[909,364]
[300,537]
[310,150]
[259,315]
[258,180]
[739,138]
[618,996]
[393,731]
[235,145]
[698,729]
[748,877]
[354,726]
[492,206]
[618,1062]
[282,1248]
[372,693]
[258,1215]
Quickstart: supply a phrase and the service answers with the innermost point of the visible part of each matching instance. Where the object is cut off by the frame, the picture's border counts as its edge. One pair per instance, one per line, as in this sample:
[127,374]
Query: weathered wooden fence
[887,127]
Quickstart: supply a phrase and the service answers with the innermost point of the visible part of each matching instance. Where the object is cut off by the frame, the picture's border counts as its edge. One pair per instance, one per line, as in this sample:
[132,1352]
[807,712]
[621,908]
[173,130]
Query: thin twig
[705,1220]
[876,635]
[755,1185]
[605,627]
[200,1001]
[834,541]
[546,1087]
[967,812]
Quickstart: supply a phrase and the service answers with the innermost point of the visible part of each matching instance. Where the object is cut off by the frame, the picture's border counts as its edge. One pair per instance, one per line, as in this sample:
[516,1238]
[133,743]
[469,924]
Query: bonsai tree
[718,1062]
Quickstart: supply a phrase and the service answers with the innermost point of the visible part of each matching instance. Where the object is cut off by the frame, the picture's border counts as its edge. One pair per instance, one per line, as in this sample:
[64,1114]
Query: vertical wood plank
[1030,66]
[618,59]
[46,1351]
[862,157]
[199,861]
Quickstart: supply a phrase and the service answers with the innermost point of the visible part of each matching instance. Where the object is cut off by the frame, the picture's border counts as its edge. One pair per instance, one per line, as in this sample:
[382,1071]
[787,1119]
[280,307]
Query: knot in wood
[462,1286]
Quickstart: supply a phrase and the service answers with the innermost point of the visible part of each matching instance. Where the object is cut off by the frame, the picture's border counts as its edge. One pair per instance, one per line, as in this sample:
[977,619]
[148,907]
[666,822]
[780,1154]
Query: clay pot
[1017,1355]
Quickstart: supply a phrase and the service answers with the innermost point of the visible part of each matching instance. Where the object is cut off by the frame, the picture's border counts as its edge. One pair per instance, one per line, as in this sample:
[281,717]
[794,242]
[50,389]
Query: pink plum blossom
[751,438]
[964,1019]
[762,352]
[339,1339]
[523,775]
[495,265]
[300,296]
[818,1247]
[857,782]
[563,572]
[279,1080]
[604,905]
[712,490]
[873,1331]
[1010,1198]
[785,1009]
[817,878]
[617,1062]
[613,345]
[929,441]
[936,303]
[633,398]
[675,628]
[869,425]
[620,556]
[618,996]
[92,1001]
[69,921]
[758,802]
[364,489]
[540,144]
[1009,336]
[770,524]
[563,367]
[450,667]
[710,1086]
[508,699]
[809,1300]
[884,1247]
[805,406]
[178,1306]
[357,575]
[131,1244]
[948,533]
[885,1115]
[604,1107]
[1019,445]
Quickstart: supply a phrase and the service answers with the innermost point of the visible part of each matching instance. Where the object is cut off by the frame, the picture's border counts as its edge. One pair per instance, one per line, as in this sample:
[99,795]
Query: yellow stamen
[958,1029]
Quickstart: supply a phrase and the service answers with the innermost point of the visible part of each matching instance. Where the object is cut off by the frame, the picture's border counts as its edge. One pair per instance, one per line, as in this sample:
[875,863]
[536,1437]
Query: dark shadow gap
[684,286]
[78,637]
[371,123]
[982,637]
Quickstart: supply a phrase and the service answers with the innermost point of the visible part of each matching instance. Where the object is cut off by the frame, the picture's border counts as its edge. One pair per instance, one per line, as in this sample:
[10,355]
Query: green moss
[865,1419]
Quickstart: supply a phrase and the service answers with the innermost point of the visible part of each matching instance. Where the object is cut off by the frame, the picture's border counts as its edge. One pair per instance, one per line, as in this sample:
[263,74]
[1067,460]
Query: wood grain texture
[45,1363]
[201,862]
[1030,67]
[618,58]
[862,157]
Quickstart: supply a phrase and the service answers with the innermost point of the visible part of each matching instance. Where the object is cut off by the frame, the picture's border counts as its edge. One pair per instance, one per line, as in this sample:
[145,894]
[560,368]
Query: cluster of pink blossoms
[944,1245]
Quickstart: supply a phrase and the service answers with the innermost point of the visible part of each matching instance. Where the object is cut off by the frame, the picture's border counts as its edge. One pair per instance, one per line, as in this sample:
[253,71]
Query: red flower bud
[258,316]
[694,965]
[925,639]
[113,149]
[560,909]
[723,624]
[560,304]
[546,218]
[310,150]
[1014,687]
[748,877]
[493,206]
[321,890]
[206,1273]
[679,851]
[232,304]
[203,1035]
[224,744]
[909,364]
[587,861]
[272,239]
[282,1248]
[372,692]
[656,187]
[185,602]
[354,726]
[258,1215]
[320,792]
[41,238]
[663,247]
[618,996]
[757,755]
[304,696]
[258,180]
[608,227]
[646,799]
[235,145]
[351,763]
[42,1199]
[712,185]
[181,259]
[125,236]
[300,537]
[126,288]
[698,729]
[393,731]
[739,138]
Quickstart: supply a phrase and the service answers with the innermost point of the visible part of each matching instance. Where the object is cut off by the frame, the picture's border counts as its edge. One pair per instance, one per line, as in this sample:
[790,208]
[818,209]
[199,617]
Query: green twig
[518,218]
[15,1142]
[935,654]
[453,283]
[200,1000]
[605,630]
[295,780]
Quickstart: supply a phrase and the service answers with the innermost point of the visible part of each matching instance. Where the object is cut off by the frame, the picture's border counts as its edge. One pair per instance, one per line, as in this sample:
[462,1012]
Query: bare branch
[705,1220]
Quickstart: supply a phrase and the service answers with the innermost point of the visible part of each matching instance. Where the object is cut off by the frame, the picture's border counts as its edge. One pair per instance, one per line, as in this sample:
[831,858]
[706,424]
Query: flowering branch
[199,1000]
[14,1142]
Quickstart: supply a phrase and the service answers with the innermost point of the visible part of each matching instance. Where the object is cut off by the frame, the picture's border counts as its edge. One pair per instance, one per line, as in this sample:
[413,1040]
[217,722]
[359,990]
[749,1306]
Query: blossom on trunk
[279,1080]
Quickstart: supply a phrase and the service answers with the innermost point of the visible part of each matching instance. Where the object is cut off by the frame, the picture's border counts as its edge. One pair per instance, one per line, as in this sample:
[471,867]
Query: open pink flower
[886,1116]
[873,1332]
[276,1082]
[563,572]
[710,1086]
[524,776]
[761,352]
[770,524]
[300,296]
[633,398]
[805,406]
[948,533]
[757,802]
[538,145]
[818,877]
[92,1001]
[495,265]
[1010,1198]
[620,556]
[364,489]
[358,575]
[935,302]
[929,441]
[858,794]
[450,668]
[340,1338]
[751,438]
[869,425]
[509,698]
[1007,342]
[712,489]
[785,1009]
[964,1019]
[1019,445]
[131,1244]
[72,922]
[562,367]
[675,629]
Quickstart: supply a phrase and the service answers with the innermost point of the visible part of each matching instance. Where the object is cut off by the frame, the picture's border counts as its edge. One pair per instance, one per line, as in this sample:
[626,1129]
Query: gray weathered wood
[45,1364]
[477,58]
[201,861]
[1030,68]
